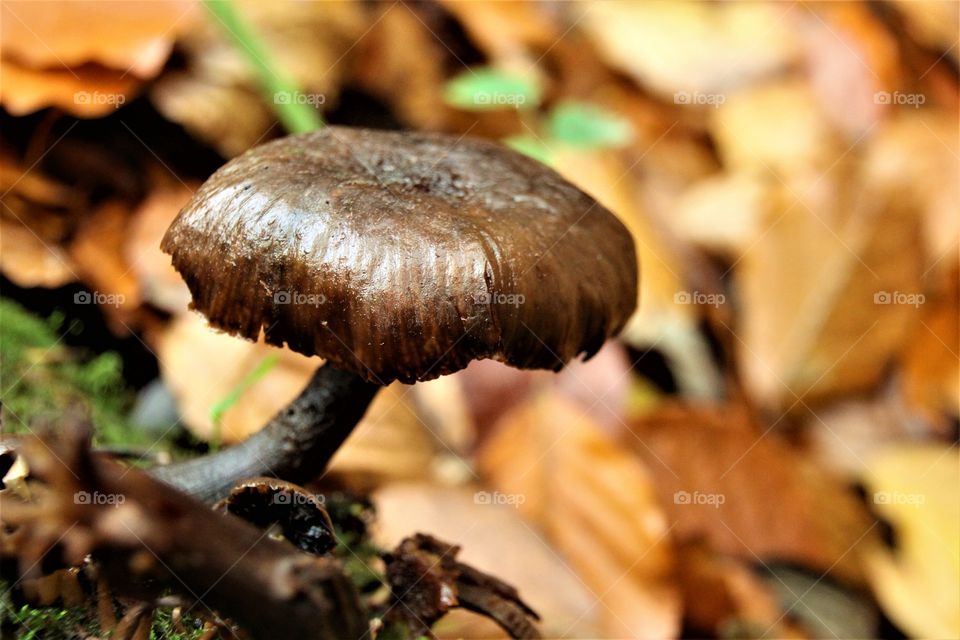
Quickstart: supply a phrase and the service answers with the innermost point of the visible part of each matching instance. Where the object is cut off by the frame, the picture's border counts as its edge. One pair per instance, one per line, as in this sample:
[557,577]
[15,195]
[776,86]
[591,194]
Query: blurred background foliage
[768,450]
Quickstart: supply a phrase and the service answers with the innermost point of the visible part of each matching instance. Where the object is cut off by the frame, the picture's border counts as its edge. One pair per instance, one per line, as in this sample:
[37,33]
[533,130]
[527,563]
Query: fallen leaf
[931,366]
[747,493]
[915,487]
[87,92]
[196,102]
[916,153]
[776,125]
[401,62]
[311,41]
[29,261]
[842,435]
[97,251]
[505,30]
[721,45]
[723,212]
[495,539]
[130,36]
[391,443]
[932,22]
[829,289]
[720,591]
[202,366]
[596,504]
[159,282]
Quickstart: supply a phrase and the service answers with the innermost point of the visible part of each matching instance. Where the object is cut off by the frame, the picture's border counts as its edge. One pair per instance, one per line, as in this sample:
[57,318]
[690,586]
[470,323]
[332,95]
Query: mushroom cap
[400,255]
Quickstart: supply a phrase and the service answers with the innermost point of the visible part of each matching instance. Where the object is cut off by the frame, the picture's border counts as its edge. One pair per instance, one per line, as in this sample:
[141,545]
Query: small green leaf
[531,146]
[581,124]
[485,89]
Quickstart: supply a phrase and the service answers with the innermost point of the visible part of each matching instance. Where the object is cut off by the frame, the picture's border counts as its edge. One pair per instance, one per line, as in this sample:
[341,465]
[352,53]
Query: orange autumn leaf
[88,92]
[125,35]
[748,493]
[596,504]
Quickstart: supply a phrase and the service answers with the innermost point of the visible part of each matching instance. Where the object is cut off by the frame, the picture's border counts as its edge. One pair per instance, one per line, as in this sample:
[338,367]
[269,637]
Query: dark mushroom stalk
[295,445]
[395,256]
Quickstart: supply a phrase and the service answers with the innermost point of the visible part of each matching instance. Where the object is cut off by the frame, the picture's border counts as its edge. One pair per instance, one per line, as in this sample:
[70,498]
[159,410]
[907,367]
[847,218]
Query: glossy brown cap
[404,255]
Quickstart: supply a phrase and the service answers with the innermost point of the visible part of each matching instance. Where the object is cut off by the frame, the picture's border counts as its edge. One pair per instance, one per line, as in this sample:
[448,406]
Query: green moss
[41,379]
[29,622]
[50,623]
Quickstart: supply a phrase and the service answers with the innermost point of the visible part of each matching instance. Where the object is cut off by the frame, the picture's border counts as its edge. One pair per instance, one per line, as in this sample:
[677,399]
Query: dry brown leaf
[600,387]
[917,489]
[721,592]
[747,493]
[32,226]
[401,62]
[202,366]
[29,187]
[595,504]
[97,251]
[930,360]
[692,47]
[494,539]
[390,443]
[87,92]
[29,261]
[829,288]
[122,34]
[932,22]
[777,125]
[198,103]
[160,284]
[723,212]
[917,153]
[310,41]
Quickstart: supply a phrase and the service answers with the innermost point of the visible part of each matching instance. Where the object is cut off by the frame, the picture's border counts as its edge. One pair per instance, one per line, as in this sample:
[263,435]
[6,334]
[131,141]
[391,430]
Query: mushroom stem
[295,445]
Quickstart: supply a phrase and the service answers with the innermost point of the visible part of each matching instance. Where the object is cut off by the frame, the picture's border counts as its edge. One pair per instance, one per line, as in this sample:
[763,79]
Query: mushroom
[394,256]
[298,514]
